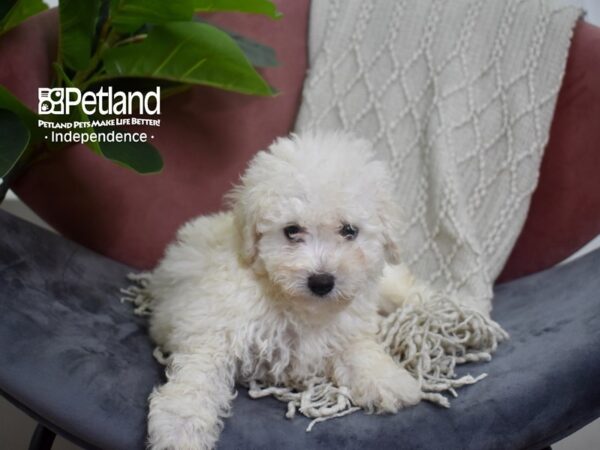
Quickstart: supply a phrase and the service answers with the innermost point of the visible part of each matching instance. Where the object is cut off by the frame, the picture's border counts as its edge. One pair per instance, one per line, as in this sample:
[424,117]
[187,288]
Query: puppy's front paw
[386,391]
[175,425]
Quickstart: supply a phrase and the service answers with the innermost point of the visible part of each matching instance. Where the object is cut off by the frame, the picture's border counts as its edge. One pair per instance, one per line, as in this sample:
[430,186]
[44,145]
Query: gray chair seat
[76,359]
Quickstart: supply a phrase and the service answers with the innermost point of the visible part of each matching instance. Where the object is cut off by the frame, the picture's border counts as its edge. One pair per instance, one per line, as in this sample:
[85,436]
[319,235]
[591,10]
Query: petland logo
[61,101]
[104,113]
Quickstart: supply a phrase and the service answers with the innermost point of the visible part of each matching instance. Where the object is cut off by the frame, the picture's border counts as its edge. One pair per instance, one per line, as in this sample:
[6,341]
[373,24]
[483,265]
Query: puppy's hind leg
[186,412]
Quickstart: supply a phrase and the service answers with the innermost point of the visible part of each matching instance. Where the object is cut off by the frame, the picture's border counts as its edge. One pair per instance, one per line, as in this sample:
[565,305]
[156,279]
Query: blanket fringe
[137,293]
[319,400]
[427,337]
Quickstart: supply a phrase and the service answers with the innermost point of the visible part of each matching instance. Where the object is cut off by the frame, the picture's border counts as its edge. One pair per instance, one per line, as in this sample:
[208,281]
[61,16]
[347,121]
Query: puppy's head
[316,215]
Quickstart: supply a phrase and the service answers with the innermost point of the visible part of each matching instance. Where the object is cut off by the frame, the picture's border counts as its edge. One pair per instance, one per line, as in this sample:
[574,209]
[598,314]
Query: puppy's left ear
[390,216]
[390,245]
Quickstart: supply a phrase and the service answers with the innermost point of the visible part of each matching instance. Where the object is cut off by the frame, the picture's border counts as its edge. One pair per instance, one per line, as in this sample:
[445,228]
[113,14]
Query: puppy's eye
[293,232]
[349,231]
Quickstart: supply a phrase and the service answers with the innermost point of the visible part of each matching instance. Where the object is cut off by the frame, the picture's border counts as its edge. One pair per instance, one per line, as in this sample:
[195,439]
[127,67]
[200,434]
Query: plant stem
[81,76]
[106,40]
[132,39]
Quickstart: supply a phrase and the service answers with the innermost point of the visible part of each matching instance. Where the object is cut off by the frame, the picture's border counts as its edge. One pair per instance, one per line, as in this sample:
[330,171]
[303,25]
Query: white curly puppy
[283,288]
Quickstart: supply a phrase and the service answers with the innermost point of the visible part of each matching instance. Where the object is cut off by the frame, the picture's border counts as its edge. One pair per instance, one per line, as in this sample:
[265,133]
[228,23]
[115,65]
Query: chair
[76,359]
[80,363]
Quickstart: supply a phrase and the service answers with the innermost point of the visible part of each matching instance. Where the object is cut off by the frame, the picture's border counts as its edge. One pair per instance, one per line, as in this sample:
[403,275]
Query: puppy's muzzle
[321,283]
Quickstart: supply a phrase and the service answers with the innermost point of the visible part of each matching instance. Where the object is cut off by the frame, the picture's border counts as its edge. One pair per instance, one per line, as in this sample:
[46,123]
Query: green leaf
[264,7]
[14,139]
[129,15]
[28,117]
[5,7]
[258,54]
[141,157]
[187,52]
[20,10]
[77,27]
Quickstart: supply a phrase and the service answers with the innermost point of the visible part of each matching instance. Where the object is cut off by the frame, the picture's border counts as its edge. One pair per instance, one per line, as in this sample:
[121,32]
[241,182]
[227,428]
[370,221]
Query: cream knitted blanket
[458,96]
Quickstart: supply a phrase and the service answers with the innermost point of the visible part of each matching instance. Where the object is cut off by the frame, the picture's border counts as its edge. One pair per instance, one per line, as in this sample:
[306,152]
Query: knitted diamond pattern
[458,97]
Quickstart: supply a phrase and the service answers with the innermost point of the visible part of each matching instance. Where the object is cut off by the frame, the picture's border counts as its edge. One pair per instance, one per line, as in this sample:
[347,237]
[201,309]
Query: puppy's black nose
[321,283]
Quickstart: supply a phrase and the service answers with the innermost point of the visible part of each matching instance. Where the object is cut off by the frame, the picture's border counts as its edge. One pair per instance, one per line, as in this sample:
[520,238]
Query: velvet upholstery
[66,342]
[78,358]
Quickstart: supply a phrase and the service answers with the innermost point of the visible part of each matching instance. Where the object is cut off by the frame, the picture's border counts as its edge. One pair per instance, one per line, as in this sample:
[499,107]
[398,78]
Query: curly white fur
[231,300]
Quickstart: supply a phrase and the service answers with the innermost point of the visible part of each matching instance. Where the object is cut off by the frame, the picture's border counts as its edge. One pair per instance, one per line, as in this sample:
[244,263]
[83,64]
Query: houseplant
[129,43]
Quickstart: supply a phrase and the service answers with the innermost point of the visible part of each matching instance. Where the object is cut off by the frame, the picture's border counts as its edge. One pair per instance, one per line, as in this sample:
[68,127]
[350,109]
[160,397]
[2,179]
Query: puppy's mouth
[336,297]
[322,298]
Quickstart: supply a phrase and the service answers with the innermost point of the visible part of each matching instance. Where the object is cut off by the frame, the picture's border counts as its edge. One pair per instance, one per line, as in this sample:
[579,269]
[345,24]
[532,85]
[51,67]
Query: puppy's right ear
[246,199]
[252,197]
